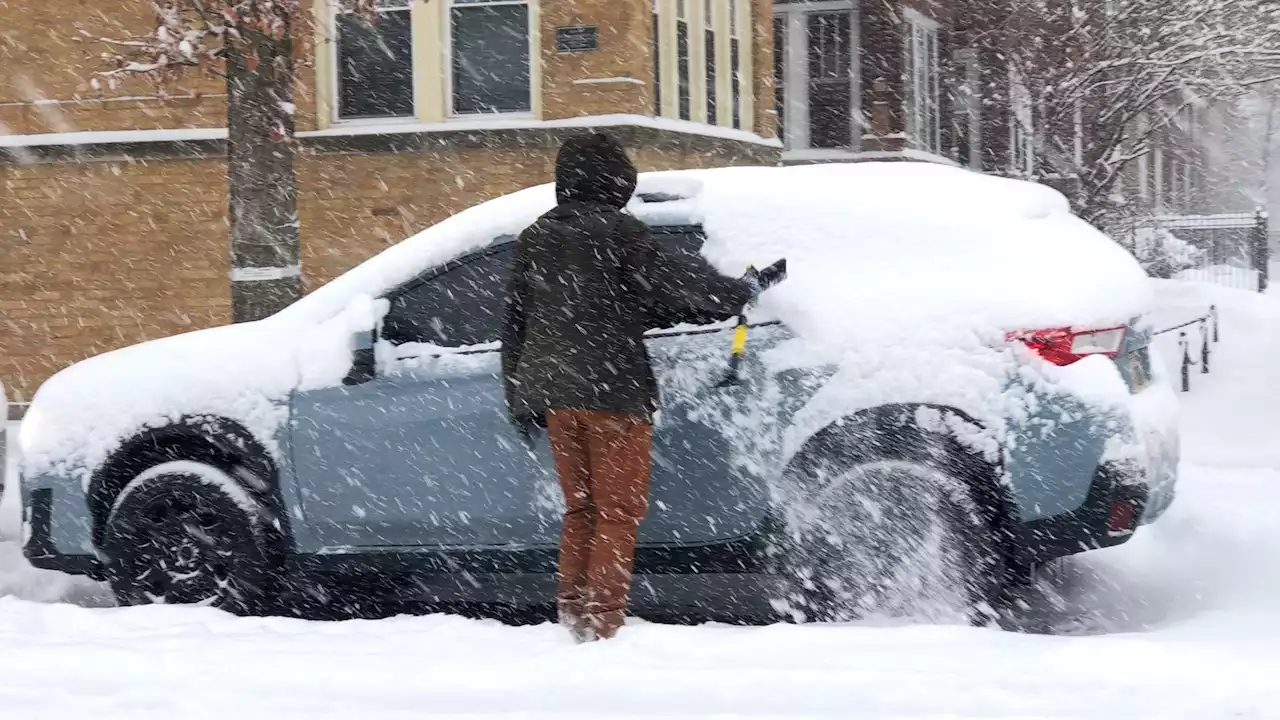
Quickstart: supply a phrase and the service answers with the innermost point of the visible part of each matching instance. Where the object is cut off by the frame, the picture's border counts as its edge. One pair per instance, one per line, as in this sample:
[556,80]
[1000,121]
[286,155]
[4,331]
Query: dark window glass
[375,66]
[830,89]
[490,58]
[682,67]
[711,77]
[737,82]
[463,306]
[657,66]
[780,73]
[685,244]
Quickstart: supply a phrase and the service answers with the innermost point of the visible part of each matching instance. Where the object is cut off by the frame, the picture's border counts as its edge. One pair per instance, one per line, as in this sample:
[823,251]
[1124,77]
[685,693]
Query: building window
[922,82]
[709,23]
[830,89]
[735,60]
[967,110]
[1022,127]
[815,67]
[685,98]
[657,60]
[491,58]
[780,72]
[375,64]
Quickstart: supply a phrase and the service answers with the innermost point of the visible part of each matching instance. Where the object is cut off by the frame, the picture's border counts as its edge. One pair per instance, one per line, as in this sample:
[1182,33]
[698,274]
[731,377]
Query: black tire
[186,533]
[888,520]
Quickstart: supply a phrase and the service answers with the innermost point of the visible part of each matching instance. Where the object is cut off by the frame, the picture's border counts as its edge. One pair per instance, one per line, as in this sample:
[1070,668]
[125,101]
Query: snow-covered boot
[570,615]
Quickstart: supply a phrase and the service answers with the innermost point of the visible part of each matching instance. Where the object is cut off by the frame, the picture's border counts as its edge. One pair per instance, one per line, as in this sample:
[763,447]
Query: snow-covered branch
[197,34]
[1126,69]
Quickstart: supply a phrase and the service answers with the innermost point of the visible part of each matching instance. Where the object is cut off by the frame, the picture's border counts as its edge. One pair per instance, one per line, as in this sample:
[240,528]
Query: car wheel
[187,533]
[890,530]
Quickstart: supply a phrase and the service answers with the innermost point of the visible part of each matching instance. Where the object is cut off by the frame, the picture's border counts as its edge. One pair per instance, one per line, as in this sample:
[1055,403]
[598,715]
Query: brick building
[893,80]
[113,225]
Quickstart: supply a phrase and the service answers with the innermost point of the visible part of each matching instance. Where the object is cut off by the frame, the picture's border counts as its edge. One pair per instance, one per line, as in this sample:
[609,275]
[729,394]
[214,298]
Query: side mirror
[364,361]
[363,318]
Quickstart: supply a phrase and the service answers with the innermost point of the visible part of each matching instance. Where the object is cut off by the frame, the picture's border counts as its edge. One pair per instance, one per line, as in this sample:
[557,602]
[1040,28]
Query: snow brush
[760,281]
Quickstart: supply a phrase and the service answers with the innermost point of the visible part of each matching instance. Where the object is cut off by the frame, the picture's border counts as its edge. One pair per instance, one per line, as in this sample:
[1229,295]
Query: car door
[423,454]
[706,434]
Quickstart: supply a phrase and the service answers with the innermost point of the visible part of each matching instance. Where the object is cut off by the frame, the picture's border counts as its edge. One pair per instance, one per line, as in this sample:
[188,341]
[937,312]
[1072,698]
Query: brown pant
[603,460]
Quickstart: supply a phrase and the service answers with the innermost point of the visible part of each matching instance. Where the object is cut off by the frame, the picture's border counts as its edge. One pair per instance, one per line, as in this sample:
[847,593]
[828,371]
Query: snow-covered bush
[1163,254]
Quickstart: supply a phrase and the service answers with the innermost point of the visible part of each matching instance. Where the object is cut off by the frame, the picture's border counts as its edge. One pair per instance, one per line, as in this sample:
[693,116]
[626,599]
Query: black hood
[595,169]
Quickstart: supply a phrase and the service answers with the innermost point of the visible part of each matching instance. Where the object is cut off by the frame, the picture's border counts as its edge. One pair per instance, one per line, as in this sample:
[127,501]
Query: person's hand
[527,427]
[761,280]
[773,274]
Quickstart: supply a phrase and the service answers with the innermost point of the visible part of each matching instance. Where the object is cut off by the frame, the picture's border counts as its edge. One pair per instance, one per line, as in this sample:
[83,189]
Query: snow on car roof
[869,245]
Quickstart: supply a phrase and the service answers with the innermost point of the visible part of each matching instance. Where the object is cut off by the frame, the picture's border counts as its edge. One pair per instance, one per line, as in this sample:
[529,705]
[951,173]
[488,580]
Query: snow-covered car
[952,387]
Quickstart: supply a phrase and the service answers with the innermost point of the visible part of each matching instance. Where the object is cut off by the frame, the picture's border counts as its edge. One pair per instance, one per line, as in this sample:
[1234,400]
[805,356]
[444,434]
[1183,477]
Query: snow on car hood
[912,256]
[81,414]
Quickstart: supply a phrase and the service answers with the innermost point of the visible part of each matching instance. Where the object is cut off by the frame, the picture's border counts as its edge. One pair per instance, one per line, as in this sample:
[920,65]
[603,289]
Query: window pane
[830,80]
[684,244]
[711,77]
[375,67]
[491,59]
[682,67]
[780,72]
[922,88]
[657,65]
[461,307]
[735,66]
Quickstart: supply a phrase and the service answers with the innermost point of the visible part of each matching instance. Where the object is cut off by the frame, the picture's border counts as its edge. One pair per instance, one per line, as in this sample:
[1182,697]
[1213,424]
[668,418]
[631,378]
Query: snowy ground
[1180,622]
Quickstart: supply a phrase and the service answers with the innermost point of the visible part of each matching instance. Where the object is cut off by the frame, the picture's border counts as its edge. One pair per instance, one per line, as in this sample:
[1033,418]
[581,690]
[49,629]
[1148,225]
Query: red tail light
[1064,346]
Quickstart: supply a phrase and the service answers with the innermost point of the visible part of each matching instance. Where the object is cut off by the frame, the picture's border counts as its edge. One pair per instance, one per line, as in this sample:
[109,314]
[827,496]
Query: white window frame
[334,80]
[796,81]
[1022,147]
[968,106]
[737,71]
[922,81]
[531,17]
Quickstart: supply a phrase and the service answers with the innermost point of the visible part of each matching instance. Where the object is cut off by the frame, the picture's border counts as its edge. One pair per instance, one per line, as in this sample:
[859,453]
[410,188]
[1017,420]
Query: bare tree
[1110,75]
[251,44]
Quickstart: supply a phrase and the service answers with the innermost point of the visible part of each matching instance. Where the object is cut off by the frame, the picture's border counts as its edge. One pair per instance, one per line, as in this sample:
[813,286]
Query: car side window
[682,243]
[459,307]
[685,242]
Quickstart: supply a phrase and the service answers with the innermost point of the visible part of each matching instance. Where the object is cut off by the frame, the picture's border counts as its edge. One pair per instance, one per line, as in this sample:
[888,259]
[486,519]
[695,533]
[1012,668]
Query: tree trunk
[261,182]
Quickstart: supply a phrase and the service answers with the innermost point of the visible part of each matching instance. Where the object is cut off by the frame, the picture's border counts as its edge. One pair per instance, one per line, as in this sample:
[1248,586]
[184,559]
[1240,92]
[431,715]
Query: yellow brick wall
[44,86]
[99,255]
[625,37]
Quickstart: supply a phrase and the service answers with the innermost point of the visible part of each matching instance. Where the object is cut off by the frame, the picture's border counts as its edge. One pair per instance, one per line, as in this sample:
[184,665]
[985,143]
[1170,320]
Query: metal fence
[1230,249]
[1191,356]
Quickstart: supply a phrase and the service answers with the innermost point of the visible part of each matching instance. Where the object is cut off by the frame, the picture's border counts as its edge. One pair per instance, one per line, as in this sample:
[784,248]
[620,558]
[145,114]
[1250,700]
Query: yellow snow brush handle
[740,336]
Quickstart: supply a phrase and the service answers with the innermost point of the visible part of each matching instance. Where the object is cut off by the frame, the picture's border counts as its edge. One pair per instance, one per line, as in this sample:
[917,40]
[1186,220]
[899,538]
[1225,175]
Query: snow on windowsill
[843,154]
[609,81]
[107,137]
[509,123]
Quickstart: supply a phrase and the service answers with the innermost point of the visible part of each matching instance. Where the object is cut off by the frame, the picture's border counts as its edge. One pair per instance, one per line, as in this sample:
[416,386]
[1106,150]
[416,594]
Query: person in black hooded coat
[587,282]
